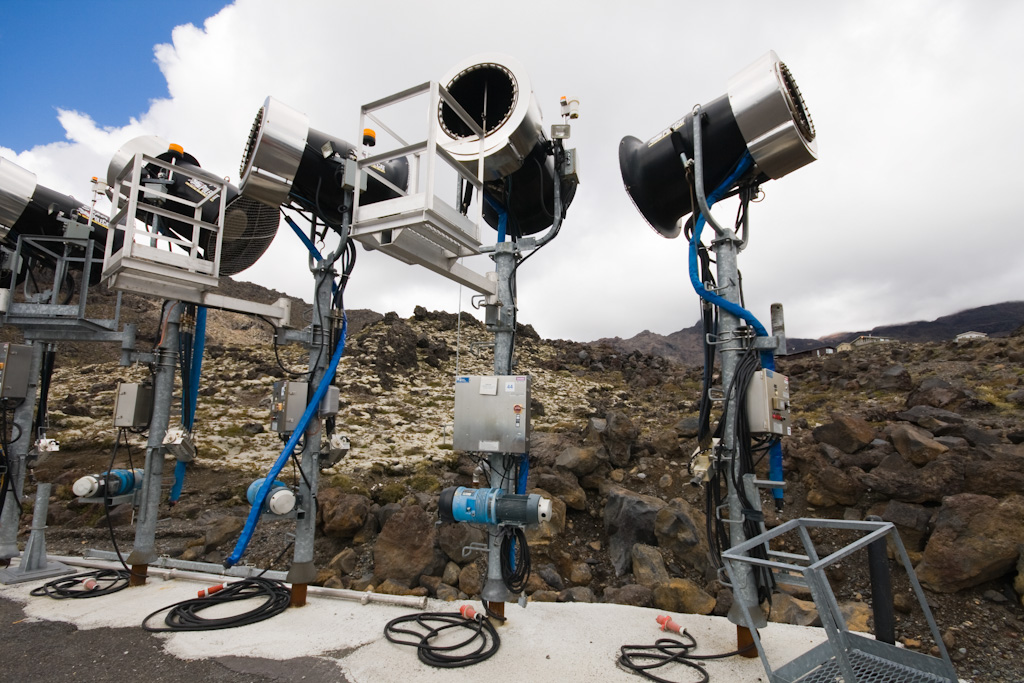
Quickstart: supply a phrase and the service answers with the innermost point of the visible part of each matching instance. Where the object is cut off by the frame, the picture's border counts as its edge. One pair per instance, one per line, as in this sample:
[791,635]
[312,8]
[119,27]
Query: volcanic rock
[407,547]
[629,519]
[976,539]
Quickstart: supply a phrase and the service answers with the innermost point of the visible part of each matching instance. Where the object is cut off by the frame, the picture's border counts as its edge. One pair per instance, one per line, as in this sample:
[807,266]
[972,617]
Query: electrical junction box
[287,405]
[133,405]
[492,413]
[768,404]
[14,362]
[331,402]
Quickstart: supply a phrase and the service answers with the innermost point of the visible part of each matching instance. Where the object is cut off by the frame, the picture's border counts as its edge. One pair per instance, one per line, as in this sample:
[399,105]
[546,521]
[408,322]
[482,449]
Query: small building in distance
[863,340]
[967,336]
[811,353]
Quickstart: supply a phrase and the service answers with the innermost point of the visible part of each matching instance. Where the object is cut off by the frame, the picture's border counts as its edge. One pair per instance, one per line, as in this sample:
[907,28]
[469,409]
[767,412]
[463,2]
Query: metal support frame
[505,257]
[140,264]
[845,654]
[418,226]
[34,563]
[17,456]
[144,551]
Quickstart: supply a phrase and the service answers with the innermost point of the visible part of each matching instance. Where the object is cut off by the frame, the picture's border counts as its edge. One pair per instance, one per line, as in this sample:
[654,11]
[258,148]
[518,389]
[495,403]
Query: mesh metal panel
[870,669]
[249,228]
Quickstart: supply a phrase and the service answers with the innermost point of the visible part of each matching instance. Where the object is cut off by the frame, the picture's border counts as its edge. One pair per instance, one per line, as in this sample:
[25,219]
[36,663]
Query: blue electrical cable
[745,163]
[192,366]
[199,346]
[502,216]
[302,236]
[286,453]
[524,472]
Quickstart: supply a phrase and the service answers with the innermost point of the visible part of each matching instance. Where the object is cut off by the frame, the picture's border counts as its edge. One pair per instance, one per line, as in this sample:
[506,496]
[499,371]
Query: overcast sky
[912,211]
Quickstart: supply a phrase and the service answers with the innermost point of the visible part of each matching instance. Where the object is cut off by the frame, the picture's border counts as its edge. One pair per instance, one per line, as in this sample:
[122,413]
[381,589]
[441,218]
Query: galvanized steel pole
[144,551]
[505,257]
[733,346]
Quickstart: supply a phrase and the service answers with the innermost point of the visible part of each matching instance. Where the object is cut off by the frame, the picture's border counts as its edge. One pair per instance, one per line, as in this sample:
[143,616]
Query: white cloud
[910,213]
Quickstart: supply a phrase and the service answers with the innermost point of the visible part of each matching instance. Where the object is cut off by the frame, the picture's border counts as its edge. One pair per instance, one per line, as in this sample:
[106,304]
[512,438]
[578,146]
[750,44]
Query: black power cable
[104,581]
[515,560]
[481,643]
[87,585]
[186,615]
[6,482]
[641,659]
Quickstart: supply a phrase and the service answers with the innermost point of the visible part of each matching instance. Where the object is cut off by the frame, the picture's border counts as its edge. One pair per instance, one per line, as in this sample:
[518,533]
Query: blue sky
[94,57]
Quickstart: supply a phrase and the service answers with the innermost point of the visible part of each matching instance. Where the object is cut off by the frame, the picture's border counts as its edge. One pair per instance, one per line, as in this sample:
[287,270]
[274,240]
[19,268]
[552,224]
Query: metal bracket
[474,548]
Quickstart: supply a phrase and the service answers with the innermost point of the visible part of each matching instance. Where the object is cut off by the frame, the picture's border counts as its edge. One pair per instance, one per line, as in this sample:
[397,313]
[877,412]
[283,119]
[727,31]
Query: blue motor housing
[492,506]
[279,501]
[110,483]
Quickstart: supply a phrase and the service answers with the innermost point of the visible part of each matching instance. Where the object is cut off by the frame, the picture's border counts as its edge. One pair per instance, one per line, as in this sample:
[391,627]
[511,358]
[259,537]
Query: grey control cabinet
[133,405]
[14,363]
[288,405]
[492,413]
[768,404]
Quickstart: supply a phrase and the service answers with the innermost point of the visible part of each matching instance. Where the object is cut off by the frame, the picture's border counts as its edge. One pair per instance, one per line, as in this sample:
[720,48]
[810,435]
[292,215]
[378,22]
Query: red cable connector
[211,590]
[667,624]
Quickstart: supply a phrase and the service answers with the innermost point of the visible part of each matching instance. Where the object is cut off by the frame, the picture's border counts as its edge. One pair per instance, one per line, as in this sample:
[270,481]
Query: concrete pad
[544,641]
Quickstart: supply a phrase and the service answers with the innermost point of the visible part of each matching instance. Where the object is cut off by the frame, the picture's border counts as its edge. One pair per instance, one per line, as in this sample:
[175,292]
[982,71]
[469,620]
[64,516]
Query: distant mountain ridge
[684,346]
[996,320]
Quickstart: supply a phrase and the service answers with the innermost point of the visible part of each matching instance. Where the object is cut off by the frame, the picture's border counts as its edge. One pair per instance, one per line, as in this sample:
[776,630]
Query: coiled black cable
[482,638]
[515,561]
[641,659]
[88,585]
[186,615]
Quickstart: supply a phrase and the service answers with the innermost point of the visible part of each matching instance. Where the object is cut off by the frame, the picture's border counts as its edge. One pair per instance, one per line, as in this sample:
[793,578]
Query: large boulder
[683,596]
[619,436]
[846,432]
[648,566]
[831,486]
[789,610]
[1001,476]
[342,514]
[581,461]
[894,377]
[935,392]
[681,530]
[628,520]
[564,485]
[407,547]
[976,539]
[453,538]
[915,444]
[911,523]
[898,479]
[929,417]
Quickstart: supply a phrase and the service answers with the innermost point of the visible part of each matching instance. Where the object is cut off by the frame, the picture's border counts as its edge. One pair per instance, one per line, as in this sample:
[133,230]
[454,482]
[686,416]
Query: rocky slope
[928,436]
[684,346]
